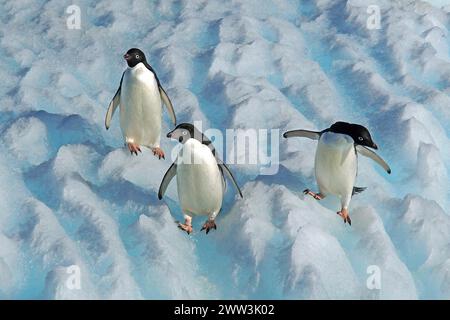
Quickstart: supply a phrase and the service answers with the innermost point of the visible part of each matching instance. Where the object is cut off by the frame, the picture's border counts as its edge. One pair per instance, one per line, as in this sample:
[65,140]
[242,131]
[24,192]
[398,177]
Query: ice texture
[71,194]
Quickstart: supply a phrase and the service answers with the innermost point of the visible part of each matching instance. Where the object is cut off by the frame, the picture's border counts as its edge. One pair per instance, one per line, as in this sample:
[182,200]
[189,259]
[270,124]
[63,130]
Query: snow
[71,195]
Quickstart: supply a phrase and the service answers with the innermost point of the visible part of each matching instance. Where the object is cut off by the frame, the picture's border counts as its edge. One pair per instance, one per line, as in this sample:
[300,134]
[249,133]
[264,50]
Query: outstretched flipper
[357,190]
[168,103]
[166,180]
[314,135]
[230,176]
[372,155]
[113,105]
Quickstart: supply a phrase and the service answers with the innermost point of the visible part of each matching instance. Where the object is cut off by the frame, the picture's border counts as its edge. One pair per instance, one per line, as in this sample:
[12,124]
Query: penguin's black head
[359,133]
[184,131]
[134,56]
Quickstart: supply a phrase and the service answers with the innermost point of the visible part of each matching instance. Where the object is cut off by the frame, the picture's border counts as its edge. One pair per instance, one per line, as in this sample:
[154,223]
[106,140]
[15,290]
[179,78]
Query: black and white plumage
[140,97]
[336,161]
[200,177]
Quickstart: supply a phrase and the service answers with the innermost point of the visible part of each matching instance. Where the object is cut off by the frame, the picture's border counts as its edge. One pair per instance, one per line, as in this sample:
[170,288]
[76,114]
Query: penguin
[140,96]
[200,175]
[336,160]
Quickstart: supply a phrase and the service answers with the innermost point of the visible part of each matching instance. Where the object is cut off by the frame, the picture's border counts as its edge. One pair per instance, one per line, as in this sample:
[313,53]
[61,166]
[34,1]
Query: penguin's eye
[184,133]
[137,56]
[360,138]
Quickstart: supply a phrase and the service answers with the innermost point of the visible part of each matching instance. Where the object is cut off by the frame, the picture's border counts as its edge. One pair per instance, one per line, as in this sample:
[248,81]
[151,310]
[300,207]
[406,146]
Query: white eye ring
[360,138]
[184,133]
[137,56]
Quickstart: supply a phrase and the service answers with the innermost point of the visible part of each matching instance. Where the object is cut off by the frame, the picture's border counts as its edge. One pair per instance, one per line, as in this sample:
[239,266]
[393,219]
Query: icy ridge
[72,196]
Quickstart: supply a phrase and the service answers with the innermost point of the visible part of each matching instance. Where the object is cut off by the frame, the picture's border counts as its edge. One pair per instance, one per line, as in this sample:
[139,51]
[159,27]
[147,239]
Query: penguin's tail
[357,190]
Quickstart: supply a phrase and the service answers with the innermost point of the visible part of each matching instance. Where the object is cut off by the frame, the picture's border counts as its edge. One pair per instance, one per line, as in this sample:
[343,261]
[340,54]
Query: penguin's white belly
[140,107]
[336,164]
[200,185]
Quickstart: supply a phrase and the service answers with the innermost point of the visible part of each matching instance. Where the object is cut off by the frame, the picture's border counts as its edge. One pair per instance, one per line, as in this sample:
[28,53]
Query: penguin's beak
[169,135]
[375,146]
[126,56]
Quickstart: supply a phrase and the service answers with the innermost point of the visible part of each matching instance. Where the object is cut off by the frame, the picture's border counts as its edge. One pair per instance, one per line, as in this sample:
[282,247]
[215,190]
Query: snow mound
[74,202]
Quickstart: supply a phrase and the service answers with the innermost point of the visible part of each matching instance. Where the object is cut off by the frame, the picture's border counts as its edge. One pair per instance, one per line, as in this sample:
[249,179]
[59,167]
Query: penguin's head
[183,132]
[134,56]
[359,133]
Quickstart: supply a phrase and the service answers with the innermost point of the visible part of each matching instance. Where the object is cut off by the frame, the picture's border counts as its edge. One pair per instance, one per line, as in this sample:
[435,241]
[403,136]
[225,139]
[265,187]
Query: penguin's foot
[344,215]
[210,224]
[134,148]
[317,196]
[158,152]
[185,227]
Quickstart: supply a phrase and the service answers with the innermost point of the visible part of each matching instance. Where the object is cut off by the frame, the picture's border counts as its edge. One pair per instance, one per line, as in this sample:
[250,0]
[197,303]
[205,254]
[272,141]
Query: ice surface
[71,195]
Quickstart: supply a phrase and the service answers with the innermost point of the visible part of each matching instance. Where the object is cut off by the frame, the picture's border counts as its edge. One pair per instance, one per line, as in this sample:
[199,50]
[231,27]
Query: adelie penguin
[140,96]
[200,177]
[336,162]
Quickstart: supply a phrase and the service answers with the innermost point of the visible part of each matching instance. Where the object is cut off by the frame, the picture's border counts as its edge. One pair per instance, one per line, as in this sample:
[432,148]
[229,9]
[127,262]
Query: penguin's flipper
[169,106]
[372,155]
[166,180]
[112,108]
[314,135]
[227,171]
[113,105]
[357,190]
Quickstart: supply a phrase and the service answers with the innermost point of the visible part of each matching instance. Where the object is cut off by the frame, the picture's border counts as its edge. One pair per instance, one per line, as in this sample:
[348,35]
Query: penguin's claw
[158,152]
[316,196]
[345,216]
[185,227]
[134,148]
[210,224]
